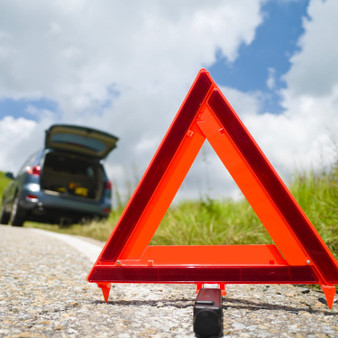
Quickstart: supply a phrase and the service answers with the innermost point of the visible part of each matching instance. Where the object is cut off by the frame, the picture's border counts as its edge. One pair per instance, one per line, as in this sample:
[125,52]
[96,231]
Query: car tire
[17,216]
[4,217]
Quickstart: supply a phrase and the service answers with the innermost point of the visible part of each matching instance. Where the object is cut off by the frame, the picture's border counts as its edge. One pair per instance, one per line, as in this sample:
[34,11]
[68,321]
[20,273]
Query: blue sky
[126,72]
[275,41]
[20,108]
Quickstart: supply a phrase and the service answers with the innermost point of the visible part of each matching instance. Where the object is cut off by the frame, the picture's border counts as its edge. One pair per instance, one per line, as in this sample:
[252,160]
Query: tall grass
[317,194]
[210,222]
[4,181]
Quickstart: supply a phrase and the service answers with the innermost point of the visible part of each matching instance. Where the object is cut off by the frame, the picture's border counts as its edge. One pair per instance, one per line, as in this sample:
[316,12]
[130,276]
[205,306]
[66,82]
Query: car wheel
[17,217]
[4,217]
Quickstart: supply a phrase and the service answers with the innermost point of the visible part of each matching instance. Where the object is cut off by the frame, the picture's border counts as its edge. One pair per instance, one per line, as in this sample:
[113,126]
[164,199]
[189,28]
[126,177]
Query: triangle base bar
[205,274]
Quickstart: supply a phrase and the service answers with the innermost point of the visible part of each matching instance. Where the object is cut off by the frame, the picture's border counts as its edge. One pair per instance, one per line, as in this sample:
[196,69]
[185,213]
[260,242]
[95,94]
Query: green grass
[3,183]
[209,222]
[317,194]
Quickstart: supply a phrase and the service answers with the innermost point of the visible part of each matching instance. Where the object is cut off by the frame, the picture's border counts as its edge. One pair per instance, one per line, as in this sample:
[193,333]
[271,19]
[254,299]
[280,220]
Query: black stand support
[208,314]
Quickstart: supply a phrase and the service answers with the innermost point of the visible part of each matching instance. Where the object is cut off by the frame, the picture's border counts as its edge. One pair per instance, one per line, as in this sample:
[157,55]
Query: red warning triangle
[299,257]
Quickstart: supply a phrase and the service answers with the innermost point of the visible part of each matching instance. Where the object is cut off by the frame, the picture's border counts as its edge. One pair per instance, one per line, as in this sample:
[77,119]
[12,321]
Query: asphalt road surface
[44,292]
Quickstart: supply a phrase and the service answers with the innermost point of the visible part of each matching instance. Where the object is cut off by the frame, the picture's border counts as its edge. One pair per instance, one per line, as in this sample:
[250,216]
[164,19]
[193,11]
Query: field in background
[208,221]
[3,183]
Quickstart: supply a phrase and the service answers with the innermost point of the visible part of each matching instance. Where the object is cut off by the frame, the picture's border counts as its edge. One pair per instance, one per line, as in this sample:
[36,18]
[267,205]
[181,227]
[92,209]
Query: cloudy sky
[125,66]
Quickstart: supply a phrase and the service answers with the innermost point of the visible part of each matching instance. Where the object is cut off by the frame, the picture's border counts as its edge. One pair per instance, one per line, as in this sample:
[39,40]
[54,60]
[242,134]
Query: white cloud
[271,81]
[311,96]
[121,66]
[243,103]
[72,53]
[125,67]
[314,70]
[14,134]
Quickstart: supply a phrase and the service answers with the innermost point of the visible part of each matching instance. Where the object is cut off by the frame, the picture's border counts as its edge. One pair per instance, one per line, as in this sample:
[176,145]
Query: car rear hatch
[71,166]
[80,140]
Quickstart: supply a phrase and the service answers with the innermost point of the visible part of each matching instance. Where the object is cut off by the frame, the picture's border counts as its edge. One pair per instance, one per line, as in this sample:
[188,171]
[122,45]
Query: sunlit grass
[211,222]
[318,196]
[4,181]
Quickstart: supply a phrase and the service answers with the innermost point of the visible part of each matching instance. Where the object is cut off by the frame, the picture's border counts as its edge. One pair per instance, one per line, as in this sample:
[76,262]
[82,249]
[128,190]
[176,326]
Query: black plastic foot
[208,314]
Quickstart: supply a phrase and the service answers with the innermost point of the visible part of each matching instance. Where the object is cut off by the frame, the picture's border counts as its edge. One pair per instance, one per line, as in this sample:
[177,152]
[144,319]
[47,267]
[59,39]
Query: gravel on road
[44,292]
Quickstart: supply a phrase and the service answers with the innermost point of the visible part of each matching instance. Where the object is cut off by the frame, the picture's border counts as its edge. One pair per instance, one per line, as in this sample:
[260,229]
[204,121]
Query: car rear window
[79,141]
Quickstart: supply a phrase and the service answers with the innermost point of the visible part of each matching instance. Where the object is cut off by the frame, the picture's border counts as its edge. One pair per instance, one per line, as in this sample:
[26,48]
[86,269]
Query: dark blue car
[64,182]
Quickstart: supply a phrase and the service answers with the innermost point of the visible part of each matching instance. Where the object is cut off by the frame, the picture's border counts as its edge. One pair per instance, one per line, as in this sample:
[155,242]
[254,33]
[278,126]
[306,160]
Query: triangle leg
[223,289]
[329,291]
[105,287]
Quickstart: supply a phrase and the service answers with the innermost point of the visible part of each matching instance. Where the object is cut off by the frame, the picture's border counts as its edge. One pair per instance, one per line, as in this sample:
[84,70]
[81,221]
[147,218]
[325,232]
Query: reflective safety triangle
[299,255]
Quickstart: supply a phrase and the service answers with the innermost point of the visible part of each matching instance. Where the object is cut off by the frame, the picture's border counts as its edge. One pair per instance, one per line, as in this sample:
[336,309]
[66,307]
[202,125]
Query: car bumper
[38,202]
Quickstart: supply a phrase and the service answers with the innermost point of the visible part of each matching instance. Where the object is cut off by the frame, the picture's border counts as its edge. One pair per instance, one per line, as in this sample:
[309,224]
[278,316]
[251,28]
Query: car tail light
[32,198]
[108,185]
[107,210]
[34,170]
